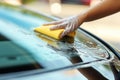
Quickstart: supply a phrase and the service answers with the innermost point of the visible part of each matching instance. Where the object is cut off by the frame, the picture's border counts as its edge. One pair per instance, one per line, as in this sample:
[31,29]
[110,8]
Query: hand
[68,24]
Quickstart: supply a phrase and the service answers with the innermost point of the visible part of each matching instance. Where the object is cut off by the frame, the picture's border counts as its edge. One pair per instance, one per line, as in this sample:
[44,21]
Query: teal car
[27,55]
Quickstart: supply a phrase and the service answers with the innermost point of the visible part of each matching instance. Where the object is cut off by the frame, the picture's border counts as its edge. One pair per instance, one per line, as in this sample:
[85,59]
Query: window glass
[23,49]
[14,58]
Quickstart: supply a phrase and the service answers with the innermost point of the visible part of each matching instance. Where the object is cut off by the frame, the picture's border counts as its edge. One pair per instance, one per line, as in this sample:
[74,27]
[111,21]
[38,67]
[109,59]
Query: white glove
[68,24]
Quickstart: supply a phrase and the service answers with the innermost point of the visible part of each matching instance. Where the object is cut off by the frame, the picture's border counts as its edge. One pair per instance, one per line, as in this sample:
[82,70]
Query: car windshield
[22,49]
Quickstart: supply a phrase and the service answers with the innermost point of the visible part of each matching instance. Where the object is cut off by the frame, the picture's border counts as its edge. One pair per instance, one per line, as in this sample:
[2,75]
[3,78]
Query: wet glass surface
[81,51]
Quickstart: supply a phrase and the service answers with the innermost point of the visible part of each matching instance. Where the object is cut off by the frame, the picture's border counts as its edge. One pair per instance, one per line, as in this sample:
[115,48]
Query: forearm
[102,9]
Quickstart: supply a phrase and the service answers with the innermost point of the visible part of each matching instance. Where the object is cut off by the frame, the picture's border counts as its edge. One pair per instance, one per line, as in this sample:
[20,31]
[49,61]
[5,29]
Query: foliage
[27,1]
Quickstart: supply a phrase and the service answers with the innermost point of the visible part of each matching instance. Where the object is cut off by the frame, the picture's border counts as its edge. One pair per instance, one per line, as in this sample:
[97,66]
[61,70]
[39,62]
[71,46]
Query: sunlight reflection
[13,2]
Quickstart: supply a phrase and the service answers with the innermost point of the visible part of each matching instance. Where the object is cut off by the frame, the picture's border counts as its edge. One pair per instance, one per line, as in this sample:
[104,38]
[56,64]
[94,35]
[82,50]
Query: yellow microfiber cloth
[52,33]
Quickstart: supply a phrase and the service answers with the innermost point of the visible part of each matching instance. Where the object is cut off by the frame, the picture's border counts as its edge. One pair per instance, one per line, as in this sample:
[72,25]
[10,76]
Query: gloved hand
[68,24]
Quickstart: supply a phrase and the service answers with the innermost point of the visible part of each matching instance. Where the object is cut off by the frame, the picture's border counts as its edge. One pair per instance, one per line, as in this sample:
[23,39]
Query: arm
[104,8]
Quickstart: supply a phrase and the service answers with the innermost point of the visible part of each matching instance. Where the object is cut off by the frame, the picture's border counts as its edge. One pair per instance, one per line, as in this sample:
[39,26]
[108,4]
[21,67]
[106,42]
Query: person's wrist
[81,18]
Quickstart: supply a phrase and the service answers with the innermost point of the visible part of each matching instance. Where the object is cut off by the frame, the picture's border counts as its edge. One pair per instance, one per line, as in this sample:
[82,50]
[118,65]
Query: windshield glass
[14,58]
[21,47]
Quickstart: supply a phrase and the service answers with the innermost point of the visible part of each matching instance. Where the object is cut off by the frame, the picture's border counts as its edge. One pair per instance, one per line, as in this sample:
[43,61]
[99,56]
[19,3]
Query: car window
[22,49]
[14,58]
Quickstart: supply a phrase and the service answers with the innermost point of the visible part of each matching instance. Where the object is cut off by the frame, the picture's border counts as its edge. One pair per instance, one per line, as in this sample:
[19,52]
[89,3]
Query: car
[28,55]
[84,2]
